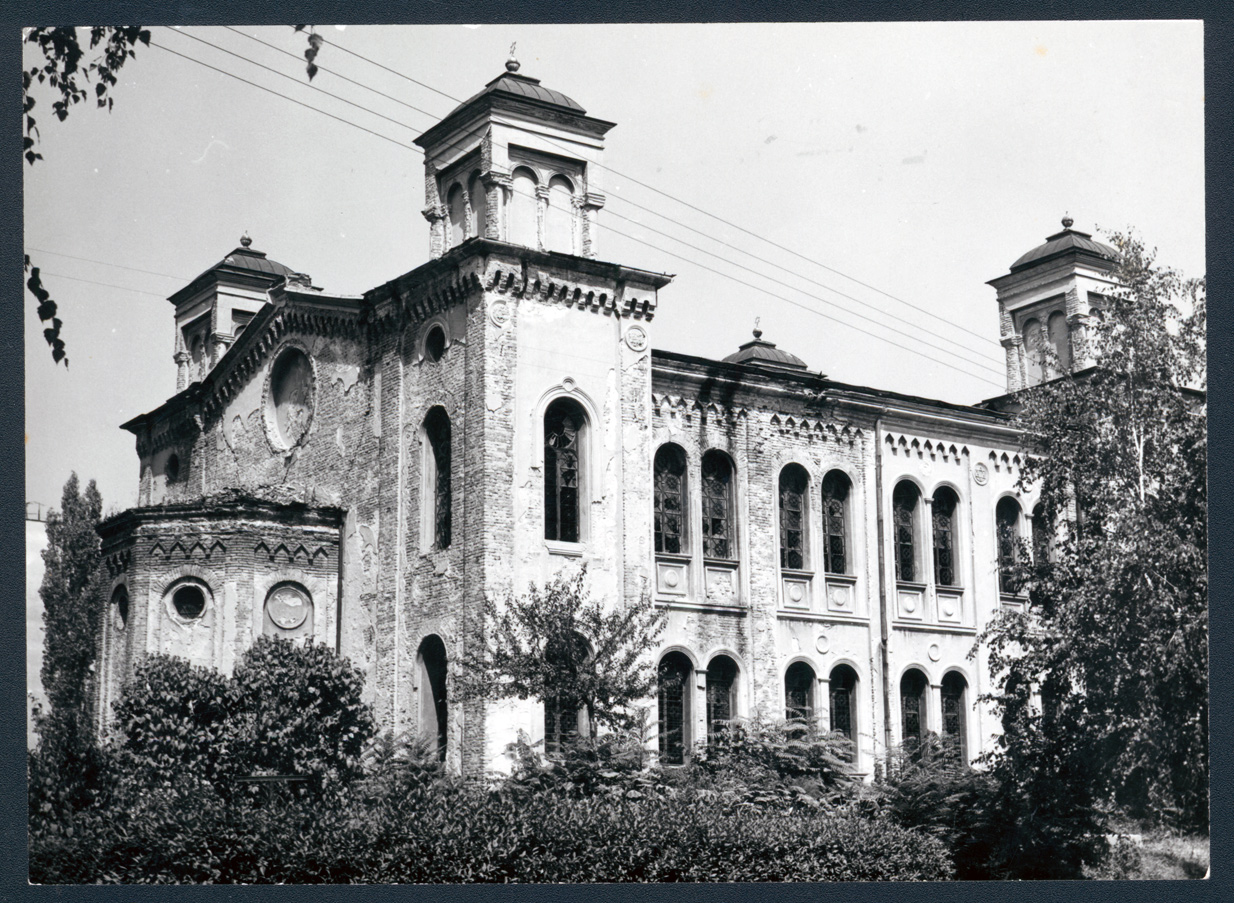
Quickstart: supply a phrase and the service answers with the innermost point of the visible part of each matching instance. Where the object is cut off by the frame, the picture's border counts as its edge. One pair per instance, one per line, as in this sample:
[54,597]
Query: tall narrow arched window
[793,509]
[913,687]
[946,561]
[1034,351]
[721,694]
[431,676]
[1007,516]
[522,223]
[437,477]
[564,432]
[456,205]
[719,537]
[835,523]
[559,227]
[675,677]
[670,500]
[904,504]
[843,712]
[565,720]
[1043,535]
[799,682]
[955,703]
[479,206]
[1060,341]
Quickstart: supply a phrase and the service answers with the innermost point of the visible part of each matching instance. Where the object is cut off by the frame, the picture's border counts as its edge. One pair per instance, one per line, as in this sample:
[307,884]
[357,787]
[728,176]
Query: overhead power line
[107,264]
[104,284]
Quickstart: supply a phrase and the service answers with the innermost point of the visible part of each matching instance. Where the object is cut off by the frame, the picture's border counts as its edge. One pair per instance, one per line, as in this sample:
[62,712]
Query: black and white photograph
[609,453]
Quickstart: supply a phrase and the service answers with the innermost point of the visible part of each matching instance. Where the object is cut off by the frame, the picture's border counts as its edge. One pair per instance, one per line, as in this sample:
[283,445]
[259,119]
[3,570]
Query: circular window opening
[288,606]
[173,468]
[189,601]
[435,344]
[120,607]
[291,395]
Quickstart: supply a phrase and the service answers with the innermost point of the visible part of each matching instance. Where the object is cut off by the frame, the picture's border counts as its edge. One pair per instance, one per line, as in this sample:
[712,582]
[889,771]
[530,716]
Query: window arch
[799,681]
[565,720]
[955,705]
[721,694]
[456,205]
[843,711]
[559,225]
[719,534]
[946,559]
[835,491]
[794,553]
[431,675]
[437,501]
[1034,351]
[913,686]
[675,676]
[479,206]
[564,434]
[522,224]
[670,482]
[1060,341]
[904,504]
[1007,515]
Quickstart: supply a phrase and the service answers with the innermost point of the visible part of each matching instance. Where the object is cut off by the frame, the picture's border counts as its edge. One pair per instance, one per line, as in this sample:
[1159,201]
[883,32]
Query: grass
[1160,855]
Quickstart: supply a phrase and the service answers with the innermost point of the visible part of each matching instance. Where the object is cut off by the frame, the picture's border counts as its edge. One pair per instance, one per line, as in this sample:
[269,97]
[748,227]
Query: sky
[883,173]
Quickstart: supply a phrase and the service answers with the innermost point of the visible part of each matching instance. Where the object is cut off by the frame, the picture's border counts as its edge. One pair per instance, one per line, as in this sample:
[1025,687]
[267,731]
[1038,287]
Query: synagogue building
[363,471]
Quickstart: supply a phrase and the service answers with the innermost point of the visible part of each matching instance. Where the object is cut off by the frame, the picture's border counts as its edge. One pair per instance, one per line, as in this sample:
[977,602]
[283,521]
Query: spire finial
[758,333]
[512,64]
[1067,221]
[245,241]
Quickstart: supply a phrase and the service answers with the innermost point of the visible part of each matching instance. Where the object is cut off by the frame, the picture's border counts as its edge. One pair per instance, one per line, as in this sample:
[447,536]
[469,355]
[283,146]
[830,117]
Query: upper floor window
[1043,536]
[718,534]
[945,558]
[793,482]
[437,472]
[479,206]
[1060,342]
[564,427]
[721,694]
[522,222]
[904,503]
[670,500]
[456,206]
[560,216]
[1034,351]
[835,523]
[1007,516]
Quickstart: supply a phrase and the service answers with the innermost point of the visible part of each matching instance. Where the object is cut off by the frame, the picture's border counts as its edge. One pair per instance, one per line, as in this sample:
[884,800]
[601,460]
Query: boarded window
[793,482]
[563,428]
[560,226]
[1060,341]
[670,500]
[718,538]
[479,206]
[456,203]
[522,224]
[944,508]
[1034,352]
[835,523]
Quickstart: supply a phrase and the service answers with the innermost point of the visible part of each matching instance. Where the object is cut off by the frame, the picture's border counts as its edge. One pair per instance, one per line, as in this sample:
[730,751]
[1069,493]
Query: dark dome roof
[1061,242]
[243,263]
[766,354]
[525,87]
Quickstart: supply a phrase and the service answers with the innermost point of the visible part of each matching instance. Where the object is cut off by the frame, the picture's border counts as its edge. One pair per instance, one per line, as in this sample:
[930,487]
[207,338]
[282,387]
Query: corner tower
[518,163]
[1044,304]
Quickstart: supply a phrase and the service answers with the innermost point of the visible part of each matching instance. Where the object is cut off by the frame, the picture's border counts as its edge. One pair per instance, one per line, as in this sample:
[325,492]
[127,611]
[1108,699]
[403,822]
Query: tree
[66,755]
[558,645]
[1115,636]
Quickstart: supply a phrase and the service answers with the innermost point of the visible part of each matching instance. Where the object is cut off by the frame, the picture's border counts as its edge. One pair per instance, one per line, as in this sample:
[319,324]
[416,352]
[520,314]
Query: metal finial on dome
[245,241]
[758,333]
[512,65]
[1067,221]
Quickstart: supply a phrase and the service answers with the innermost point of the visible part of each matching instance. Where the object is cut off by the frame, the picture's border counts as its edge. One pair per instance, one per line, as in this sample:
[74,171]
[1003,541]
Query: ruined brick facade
[296,483]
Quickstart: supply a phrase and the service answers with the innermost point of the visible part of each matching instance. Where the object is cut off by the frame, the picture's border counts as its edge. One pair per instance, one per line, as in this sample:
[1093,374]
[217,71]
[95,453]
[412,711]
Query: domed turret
[765,354]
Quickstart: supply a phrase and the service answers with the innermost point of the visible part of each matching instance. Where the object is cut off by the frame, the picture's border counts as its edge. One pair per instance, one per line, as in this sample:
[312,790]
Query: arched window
[1007,515]
[955,703]
[431,676]
[912,706]
[522,224]
[456,203]
[559,228]
[670,500]
[564,426]
[721,694]
[719,539]
[793,508]
[946,561]
[479,207]
[1034,352]
[835,523]
[120,607]
[435,344]
[437,478]
[1060,341]
[904,524]
[197,355]
[1043,536]
[843,684]
[564,719]
[799,682]
[674,678]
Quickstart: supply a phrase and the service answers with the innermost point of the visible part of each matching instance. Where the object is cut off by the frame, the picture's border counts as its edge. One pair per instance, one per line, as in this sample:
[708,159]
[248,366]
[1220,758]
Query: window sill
[841,578]
[674,557]
[566,549]
[910,585]
[951,590]
[790,572]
